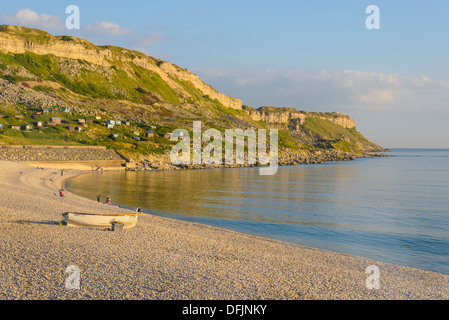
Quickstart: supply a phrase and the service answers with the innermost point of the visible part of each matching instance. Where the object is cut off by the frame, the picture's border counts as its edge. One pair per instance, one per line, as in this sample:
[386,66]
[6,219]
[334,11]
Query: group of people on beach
[108,199]
[61,191]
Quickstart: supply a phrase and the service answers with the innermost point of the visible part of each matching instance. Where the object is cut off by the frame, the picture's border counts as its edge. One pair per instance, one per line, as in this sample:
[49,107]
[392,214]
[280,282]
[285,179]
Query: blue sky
[311,55]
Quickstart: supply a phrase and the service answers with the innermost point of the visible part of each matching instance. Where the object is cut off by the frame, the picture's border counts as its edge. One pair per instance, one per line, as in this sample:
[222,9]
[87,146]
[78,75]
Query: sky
[308,55]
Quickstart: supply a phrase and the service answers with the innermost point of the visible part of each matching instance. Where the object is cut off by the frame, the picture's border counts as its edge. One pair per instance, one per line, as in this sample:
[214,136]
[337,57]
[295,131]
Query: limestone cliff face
[169,72]
[185,75]
[19,40]
[285,116]
[337,118]
[276,117]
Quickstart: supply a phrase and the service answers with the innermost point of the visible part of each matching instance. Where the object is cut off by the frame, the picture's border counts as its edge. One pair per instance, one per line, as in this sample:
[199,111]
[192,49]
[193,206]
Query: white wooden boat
[99,220]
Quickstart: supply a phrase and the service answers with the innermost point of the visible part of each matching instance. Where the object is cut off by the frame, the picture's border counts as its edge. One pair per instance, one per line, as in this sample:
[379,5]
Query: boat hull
[94,220]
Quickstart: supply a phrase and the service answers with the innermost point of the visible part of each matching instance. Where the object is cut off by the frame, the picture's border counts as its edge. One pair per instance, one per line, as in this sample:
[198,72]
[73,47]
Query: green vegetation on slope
[90,82]
[330,135]
[95,133]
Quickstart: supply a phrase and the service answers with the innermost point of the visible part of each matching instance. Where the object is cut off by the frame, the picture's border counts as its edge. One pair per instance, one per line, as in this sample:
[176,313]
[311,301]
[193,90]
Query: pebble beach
[167,259]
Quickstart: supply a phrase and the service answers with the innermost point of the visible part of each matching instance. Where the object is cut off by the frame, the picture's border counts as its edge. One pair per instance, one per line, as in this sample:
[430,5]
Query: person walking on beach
[108,200]
[98,197]
[61,193]
[62,173]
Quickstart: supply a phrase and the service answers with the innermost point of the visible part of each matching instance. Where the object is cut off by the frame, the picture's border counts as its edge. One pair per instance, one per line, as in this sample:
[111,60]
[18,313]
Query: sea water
[392,209]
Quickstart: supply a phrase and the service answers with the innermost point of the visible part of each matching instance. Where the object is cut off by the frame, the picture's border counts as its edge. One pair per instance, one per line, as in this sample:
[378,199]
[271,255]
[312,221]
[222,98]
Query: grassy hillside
[94,133]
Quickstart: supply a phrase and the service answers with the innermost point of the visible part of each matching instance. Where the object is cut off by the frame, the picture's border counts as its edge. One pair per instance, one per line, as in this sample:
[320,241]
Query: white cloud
[103,30]
[107,28]
[330,89]
[376,96]
[31,19]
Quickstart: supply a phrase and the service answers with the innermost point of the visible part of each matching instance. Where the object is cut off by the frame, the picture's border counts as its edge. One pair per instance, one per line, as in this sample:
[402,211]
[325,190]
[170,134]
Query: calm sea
[393,209]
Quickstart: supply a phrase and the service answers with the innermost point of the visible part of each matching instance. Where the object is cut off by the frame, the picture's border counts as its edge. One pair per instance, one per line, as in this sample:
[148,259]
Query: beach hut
[97,118]
[1,126]
[115,135]
[78,129]
[136,132]
[137,138]
[26,127]
[110,126]
[45,110]
[37,124]
[112,122]
[15,127]
[65,110]
[81,121]
[70,128]
[55,120]
[150,134]
[168,135]
[118,123]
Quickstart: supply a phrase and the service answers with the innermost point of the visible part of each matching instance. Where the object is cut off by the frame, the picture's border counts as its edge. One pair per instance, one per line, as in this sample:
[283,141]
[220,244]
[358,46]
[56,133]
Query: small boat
[100,220]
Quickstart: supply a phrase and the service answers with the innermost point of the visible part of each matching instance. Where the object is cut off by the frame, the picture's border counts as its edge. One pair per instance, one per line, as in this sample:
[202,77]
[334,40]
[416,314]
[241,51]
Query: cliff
[20,40]
[286,116]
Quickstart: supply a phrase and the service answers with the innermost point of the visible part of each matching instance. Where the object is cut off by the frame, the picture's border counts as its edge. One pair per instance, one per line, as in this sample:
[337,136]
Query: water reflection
[390,209]
[238,194]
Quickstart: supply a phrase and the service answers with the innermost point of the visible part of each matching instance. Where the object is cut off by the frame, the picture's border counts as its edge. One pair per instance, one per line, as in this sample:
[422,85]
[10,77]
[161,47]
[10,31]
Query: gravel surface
[169,259]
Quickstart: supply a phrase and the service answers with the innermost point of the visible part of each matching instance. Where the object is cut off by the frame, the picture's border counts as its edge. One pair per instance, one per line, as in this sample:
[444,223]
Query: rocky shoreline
[287,158]
[163,163]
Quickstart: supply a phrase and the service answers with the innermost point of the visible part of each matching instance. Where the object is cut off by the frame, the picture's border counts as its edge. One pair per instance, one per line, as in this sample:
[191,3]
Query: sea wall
[55,153]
